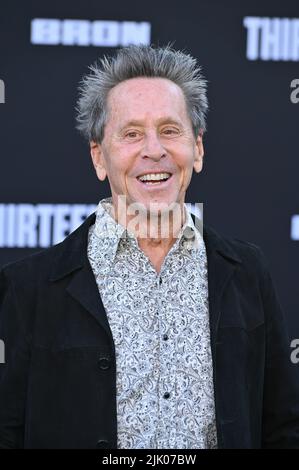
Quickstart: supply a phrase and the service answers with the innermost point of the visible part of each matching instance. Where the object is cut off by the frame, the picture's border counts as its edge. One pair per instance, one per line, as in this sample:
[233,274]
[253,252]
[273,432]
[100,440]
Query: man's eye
[171,131]
[131,135]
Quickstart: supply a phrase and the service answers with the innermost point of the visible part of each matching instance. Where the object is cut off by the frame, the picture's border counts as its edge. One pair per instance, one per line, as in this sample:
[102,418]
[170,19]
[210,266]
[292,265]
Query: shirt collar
[107,227]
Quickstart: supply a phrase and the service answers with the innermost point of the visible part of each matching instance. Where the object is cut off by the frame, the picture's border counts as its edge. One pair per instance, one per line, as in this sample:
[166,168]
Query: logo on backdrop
[39,225]
[54,32]
[272,38]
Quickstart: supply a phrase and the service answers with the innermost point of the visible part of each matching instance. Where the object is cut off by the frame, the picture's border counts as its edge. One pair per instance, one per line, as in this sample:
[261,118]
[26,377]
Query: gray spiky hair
[139,61]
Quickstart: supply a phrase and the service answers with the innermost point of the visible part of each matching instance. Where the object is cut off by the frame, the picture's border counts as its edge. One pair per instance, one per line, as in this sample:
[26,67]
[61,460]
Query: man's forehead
[141,96]
[140,86]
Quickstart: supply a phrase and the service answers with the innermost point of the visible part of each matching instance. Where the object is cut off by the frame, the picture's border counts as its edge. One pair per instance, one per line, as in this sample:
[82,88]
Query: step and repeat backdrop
[249,185]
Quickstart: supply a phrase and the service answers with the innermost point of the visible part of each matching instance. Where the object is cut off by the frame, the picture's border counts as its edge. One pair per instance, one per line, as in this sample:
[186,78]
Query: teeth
[154,176]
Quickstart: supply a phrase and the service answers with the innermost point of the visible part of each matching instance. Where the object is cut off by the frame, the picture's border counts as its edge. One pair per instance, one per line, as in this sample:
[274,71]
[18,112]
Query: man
[122,337]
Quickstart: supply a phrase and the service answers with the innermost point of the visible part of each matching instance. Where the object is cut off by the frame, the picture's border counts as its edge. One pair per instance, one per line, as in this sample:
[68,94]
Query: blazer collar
[71,253]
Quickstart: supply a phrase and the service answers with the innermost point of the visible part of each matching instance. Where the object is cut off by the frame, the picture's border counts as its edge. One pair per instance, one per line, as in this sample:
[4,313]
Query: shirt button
[160,281]
[104,363]
[165,337]
[102,444]
[166,395]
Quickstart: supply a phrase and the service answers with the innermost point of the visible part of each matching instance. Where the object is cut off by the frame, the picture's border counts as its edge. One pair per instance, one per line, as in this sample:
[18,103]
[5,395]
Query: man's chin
[157,207]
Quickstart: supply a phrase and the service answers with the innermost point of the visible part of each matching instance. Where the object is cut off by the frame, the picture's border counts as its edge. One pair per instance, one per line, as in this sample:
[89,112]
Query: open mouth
[154,179]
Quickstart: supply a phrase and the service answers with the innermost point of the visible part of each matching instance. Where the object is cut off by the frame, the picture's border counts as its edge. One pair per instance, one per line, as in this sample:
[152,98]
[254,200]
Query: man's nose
[153,147]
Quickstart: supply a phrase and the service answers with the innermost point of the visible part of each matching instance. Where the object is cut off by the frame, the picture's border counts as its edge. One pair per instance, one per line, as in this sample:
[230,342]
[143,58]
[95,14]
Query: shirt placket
[166,429]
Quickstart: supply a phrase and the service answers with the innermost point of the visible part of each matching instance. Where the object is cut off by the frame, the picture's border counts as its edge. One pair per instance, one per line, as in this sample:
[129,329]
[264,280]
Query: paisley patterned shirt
[160,327]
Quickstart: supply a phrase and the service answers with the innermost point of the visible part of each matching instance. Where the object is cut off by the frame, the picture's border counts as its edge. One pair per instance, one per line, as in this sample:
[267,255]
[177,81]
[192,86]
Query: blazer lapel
[84,289]
[72,260]
[222,261]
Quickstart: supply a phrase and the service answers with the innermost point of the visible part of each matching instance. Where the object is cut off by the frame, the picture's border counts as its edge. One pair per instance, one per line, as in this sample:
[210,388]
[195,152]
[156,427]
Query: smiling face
[148,131]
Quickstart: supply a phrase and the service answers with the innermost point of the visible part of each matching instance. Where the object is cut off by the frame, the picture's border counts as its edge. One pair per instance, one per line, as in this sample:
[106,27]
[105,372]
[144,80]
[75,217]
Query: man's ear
[96,153]
[199,153]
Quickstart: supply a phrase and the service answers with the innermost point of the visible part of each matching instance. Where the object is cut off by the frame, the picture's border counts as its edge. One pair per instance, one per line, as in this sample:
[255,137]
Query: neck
[153,228]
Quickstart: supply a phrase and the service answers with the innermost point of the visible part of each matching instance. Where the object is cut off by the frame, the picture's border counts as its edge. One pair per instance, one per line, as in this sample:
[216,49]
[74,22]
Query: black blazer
[58,385]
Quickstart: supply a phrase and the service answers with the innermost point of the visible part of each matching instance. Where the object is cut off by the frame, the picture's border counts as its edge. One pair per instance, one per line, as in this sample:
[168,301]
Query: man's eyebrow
[163,120]
[132,123]
[169,120]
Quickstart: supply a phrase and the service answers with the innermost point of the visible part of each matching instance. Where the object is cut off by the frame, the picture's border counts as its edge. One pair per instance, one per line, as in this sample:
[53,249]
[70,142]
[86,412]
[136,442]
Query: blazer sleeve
[280,427]
[14,371]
